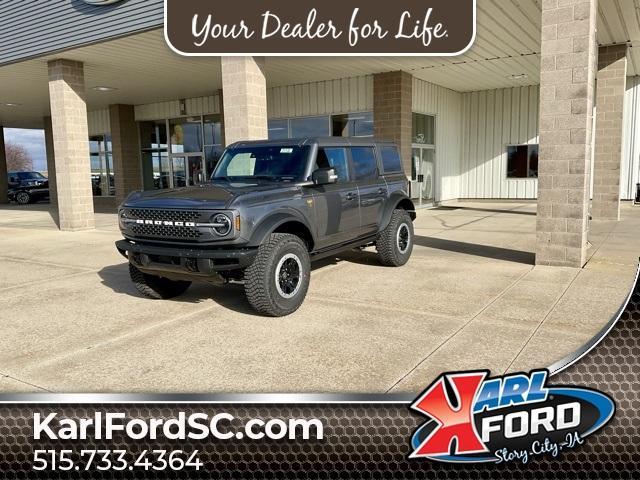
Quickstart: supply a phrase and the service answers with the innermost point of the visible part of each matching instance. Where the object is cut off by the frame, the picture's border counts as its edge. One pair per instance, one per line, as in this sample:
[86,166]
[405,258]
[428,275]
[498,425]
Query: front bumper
[193,262]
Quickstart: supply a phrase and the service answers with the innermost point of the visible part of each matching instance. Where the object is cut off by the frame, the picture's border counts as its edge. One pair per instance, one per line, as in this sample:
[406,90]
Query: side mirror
[324,176]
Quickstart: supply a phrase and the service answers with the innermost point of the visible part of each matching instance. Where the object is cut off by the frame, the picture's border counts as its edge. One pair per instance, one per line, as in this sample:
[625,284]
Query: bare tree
[18,159]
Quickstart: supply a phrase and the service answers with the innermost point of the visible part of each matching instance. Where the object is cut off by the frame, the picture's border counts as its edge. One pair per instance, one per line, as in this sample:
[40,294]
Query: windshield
[270,163]
[31,176]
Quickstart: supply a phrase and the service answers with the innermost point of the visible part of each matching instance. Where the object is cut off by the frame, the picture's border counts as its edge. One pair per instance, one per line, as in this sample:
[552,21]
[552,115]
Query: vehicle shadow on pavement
[487,210]
[231,296]
[478,250]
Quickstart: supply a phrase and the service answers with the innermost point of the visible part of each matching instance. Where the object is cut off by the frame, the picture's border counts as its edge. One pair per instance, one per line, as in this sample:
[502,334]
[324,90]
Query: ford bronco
[269,209]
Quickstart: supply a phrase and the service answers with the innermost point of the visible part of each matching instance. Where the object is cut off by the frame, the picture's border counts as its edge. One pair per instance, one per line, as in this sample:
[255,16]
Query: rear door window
[364,163]
[391,160]
[336,158]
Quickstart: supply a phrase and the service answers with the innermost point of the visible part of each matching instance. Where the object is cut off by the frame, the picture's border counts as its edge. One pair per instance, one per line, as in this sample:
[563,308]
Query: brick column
[125,148]
[392,102]
[244,99]
[71,144]
[4,185]
[567,84]
[51,161]
[610,89]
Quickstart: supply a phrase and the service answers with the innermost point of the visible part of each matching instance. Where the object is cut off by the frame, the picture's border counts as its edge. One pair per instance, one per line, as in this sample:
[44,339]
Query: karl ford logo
[509,418]
[330,27]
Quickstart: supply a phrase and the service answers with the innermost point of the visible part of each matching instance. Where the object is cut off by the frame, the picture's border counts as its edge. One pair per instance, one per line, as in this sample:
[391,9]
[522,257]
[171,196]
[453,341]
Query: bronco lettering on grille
[167,223]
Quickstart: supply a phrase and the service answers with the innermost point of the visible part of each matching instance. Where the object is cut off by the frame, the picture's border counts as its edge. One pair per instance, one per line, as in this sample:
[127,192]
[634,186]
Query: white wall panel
[446,105]
[493,119]
[194,106]
[354,94]
[630,166]
[98,121]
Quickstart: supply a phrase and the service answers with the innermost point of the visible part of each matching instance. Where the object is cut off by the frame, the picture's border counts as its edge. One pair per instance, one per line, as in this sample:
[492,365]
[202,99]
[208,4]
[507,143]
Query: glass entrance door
[179,171]
[196,172]
[423,174]
[186,140]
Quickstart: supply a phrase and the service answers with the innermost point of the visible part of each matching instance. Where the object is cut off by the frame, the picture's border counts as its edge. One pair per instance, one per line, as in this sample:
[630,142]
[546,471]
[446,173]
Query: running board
[328,252]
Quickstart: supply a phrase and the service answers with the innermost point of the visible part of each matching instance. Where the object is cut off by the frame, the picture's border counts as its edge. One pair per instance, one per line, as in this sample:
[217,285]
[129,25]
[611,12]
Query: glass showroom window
[213,144]
[278,129]
[342,125]
[102,178]
[309,127]
[423,129]
[352,125]
[155,157]
[522,161]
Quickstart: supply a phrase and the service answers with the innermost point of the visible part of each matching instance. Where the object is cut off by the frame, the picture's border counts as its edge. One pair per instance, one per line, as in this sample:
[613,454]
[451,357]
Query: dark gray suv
[268,211]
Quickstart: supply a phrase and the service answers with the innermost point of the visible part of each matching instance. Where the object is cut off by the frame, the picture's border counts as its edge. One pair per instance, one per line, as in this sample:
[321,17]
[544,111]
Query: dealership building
[544,106]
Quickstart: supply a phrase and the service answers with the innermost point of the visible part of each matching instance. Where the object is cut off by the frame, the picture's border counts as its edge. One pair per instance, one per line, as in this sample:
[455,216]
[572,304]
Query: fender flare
[394,200]
[267,225]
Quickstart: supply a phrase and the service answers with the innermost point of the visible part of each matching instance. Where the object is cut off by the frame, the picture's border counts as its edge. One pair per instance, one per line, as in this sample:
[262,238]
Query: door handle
[382,191]
[351,196]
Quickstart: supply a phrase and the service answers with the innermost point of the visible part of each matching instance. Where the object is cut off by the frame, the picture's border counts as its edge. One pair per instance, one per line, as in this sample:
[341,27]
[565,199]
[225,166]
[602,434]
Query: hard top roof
[319,141]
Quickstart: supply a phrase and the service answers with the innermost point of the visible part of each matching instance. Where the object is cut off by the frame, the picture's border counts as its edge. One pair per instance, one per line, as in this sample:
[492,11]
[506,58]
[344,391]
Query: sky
[32,141]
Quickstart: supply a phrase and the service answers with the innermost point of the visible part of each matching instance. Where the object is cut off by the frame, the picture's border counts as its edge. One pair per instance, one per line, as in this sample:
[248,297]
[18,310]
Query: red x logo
[452,422]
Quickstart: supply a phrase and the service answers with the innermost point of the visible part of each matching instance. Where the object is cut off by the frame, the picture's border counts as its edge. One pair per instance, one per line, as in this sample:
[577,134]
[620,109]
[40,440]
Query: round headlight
[222,224]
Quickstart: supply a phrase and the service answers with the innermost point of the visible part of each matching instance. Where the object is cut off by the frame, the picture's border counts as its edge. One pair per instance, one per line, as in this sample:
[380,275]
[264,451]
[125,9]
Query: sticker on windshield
[286,150]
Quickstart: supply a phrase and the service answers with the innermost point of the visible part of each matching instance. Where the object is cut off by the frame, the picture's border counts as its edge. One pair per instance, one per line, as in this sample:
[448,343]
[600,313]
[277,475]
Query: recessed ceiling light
[8,104]
[517,76]
[102,88]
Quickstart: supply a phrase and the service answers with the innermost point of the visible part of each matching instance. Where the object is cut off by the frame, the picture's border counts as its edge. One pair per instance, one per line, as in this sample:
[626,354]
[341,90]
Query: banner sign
[331,27]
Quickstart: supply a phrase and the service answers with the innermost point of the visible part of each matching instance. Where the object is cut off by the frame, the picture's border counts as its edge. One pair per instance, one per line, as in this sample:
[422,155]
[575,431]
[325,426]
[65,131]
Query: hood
[206,196]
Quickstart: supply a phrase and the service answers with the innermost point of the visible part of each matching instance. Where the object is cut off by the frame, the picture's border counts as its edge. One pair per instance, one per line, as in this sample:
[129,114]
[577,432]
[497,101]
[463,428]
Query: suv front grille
[164,231]
[145,230]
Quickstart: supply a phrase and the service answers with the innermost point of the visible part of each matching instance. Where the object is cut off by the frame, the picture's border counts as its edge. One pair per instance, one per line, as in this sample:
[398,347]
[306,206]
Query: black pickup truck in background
[27,187]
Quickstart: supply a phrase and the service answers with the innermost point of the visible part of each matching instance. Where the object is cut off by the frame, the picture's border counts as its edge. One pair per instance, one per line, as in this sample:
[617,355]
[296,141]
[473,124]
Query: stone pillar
[4,185]
[51,161]
[245,99]
[567,85]
[610,89]
[71,144]
[392,101]
[125,148]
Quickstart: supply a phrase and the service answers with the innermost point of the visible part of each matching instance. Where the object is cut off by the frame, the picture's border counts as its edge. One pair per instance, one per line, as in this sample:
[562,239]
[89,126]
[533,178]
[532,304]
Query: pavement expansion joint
[533,334]
[129,334]
[11,377]
[45,280]
[462,327]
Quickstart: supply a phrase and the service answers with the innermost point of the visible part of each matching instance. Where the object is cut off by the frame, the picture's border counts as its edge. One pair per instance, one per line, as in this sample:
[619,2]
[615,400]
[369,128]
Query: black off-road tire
[264,295]
[23,198]
[155,287]
[392,251]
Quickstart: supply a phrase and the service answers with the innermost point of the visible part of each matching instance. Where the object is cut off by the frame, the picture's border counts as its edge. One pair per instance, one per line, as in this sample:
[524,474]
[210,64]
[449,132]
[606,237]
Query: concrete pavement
[469,298]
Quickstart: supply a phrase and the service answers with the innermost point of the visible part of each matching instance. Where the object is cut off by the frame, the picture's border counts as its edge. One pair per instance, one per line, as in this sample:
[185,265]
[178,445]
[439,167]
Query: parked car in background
[27,187]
